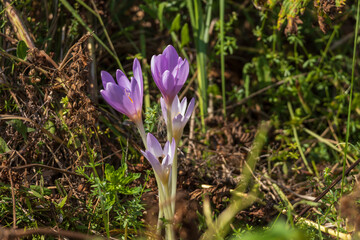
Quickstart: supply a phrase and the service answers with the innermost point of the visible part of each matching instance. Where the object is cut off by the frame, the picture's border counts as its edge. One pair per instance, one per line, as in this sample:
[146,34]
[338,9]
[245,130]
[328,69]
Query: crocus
[179,115]
[125,96]
[154,152]
[169,72]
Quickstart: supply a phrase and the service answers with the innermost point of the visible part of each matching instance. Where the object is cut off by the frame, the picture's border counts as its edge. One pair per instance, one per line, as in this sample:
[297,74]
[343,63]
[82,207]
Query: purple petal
[154,71]
[163,109]
[154,146]
[171,56]
[138,73]
[153,161]
[162,64]
[117,98]
[122,80]
[136,96]
[168,83]
[106,78]
[190,109]
[166,161]
[166,148]
[156,62]
[175,71]
[182,74]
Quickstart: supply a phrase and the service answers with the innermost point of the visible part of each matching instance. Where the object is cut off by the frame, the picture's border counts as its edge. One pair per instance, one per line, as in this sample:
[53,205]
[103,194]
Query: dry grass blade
[18,24]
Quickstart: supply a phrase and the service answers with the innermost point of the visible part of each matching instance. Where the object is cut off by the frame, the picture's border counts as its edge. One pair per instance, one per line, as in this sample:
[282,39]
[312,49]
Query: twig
[13,199]
[42,166]
[11,234]
[81,41]
[336,181]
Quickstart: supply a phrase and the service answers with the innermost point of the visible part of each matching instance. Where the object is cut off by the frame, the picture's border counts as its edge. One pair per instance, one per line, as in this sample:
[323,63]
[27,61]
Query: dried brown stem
[336,181]
[13,199]
[42,166]
[12,234]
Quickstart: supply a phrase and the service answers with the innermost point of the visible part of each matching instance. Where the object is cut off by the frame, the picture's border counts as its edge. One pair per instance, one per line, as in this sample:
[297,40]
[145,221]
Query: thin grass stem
[350,98]
[222,54]
[297,140]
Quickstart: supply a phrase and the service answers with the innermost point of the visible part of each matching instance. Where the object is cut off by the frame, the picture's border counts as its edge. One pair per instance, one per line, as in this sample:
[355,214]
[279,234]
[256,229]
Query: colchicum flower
[179,115]
[125,96]
[169,72]
[154,152]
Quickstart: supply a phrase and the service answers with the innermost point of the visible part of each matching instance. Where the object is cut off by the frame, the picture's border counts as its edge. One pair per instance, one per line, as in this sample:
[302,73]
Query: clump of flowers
[169,72]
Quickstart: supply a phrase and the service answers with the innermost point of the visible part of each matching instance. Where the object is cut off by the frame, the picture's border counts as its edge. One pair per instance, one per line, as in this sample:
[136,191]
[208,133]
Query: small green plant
[118,199]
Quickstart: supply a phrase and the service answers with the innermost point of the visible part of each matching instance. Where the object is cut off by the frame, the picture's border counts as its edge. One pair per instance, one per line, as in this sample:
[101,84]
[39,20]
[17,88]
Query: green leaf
[161,13]
[185,38]
[36,194]
[3,146]
[19,126]
[62,203]
[21,50]
[175,25]
[50,126]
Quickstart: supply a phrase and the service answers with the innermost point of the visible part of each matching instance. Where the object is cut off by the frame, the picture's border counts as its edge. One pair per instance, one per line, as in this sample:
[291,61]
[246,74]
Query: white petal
[154,146]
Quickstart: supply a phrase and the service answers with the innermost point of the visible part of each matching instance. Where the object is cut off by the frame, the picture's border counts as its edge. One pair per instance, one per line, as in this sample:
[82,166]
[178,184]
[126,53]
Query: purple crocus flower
[169,72]
[154,152]
[179,115]
[126,96]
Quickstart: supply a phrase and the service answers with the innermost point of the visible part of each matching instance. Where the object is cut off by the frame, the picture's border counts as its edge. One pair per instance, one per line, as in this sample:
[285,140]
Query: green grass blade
[297,140]
[222,54]
[350,99]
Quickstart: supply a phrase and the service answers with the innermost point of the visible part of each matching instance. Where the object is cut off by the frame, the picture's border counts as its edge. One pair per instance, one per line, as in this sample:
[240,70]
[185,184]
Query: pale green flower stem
[164,209]
[169,123]
[168,207]
[174,181]
[141,129]
[174,165]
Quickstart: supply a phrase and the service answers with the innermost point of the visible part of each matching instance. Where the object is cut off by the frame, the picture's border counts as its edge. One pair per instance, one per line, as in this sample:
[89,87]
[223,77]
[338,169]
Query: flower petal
[182,74]
[189,110]
[138,73]
[154,71]
[171,56]
[166,162]
[154,146]
[117,98]
[178,123]
[153,161]
[136,96]
[122,80]
[106,78]
[168,83]
[175,107]
[172,150]
[183,106]
[166,148]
